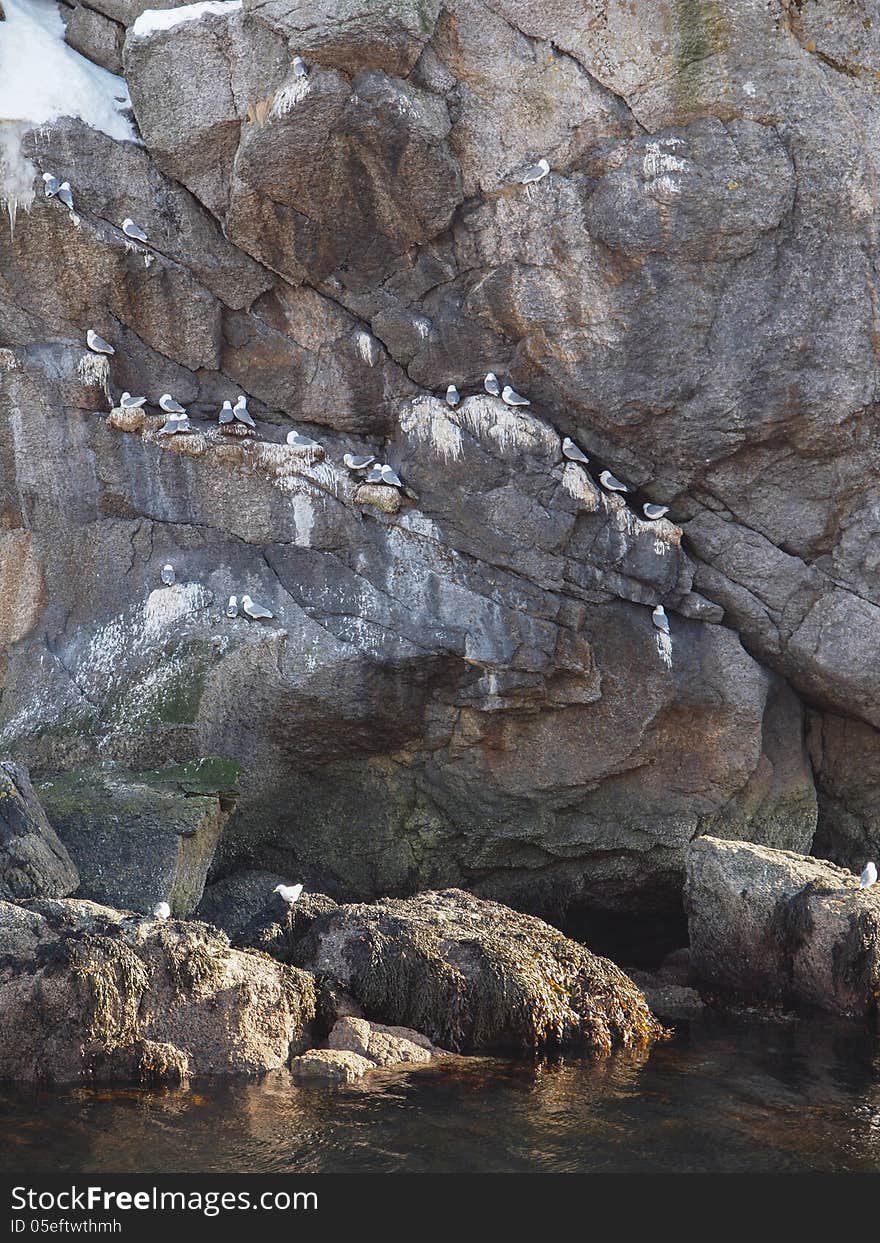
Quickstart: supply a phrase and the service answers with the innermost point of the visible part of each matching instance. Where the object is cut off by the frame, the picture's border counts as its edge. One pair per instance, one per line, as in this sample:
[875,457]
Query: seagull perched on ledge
[358,462]
[134,231]
[491,385]
[256,612]
[511,397]
[288,893]
[659,618]
[300,441]
[536,173]
[127,402]
[572,452]
[300,68]
[65,193]
[175,423]
[241,411]
[653,512]
[52,185]
[611,482]
[868,877]
[161,911]
[169,405]
[232,607]
[453,397]
[168,575]
[97,344]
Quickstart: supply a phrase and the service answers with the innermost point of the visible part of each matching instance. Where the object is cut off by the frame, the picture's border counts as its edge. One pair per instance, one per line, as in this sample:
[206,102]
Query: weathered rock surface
[142,838]
[275,928]
[781,927]
[463,685]
[87,992]
[96,36]
[356,1046]
[473,974]
[33,860]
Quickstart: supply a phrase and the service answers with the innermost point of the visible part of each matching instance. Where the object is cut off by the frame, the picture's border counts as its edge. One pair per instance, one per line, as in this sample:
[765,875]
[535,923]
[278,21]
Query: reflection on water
[725,1096]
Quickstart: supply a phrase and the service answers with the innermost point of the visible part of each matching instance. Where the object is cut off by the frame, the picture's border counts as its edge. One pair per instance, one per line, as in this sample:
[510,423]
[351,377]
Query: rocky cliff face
[461,684]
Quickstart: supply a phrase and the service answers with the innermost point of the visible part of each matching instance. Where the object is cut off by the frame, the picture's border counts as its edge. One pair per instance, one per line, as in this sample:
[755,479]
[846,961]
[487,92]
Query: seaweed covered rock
[783,928]
[142,838]
[277,928]
[87,992]
[33,861]
[474,974]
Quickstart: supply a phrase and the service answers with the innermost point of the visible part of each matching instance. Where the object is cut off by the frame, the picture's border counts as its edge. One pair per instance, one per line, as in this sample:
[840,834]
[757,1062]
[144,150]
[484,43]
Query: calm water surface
[723,1096]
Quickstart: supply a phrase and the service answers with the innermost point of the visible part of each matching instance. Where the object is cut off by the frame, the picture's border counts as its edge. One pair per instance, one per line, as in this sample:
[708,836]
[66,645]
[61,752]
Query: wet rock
[142,838]
[846,761]
[88,992]
[475,975]
[781,927]
[230,903]
[33,861]
[356,1046]
[277,927]
[671,1003]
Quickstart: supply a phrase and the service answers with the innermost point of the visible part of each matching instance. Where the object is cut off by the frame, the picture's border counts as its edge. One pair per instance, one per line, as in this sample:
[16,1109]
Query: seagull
[613,484]
[868,877]
[161,911]
[288,893]
[358,462]
[65,193]
[127,402]
[98,344]
[453,396]
[572,452]
[169,405]
[300,68]
[511,397]
[536,173]
[168,575]
[299,441]
[175,423]
[254,611]
[242,413]
[491,385]
[383,473]
[52,184]
[232,607]
[226,413]
[659,618]
[653,512]
[130,229]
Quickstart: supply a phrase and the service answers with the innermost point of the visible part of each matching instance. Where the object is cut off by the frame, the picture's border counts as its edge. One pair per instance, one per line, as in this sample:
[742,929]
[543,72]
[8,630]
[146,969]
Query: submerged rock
[475,975]
[87,992]
[356,1046]
[782,928]
[143,838]
[33,861]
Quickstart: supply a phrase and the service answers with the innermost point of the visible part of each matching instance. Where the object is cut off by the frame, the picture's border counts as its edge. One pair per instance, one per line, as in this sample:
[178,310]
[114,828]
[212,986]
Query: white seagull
[98,344]
[611,482]
[241,411]
[52,185]
[659,618]
[572,452]
[161,911]
[256,612]
[511,397]
[491,385]
[358,462]
[226,414]
[453,397]
[653,512]
[232,607]
[300,68]
[132,230]
[65,193]
[168,574]
[383,473]
[175,423]
[536,173]
[169,405]
[288,893]
[868,877]
[127,402]
[299,441]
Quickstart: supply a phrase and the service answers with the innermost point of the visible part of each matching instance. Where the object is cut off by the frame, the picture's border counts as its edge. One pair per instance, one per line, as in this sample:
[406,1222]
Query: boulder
[33,861]
[91,993]
[475,975]
[142,838]
[782,928]
[230,903]
[356,1046]
[277,927]
[96,36]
